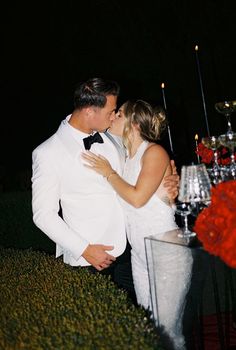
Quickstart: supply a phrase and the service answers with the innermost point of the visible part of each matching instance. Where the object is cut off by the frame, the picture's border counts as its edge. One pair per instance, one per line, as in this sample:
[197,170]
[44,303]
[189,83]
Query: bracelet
[112,173]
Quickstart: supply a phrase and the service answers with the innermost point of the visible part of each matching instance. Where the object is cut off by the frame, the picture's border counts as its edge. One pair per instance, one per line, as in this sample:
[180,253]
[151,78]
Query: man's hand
[97,256]
[171,182]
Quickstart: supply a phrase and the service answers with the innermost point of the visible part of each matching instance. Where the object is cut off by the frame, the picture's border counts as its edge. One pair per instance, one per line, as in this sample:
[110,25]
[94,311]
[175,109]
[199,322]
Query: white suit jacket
[90,207]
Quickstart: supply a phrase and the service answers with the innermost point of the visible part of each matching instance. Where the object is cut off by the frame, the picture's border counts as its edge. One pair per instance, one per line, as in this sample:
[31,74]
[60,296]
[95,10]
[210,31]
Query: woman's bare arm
[154,164]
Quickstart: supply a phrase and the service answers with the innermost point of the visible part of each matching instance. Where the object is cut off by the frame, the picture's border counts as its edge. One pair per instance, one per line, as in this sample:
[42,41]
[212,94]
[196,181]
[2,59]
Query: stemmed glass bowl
[213,143]
[184,210]
[229,140]
[226,108]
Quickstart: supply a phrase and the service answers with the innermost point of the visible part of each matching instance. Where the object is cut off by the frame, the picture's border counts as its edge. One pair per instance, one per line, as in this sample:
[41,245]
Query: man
[91,230]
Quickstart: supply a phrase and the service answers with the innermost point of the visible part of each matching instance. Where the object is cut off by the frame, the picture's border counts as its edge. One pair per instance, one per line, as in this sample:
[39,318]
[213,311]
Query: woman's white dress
[174,264]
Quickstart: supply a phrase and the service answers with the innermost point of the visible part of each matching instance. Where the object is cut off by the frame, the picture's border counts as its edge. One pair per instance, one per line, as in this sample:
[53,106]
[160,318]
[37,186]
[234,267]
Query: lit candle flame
[197,149]
[162,85]
[196,48]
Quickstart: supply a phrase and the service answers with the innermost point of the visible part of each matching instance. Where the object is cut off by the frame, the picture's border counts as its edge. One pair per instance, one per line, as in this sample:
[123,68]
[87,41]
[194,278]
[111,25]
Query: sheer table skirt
[172,269]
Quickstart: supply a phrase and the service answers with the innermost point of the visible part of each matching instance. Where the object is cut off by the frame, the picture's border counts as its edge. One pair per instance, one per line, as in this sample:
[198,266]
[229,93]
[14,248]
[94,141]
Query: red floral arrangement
[216,225]
[207,155]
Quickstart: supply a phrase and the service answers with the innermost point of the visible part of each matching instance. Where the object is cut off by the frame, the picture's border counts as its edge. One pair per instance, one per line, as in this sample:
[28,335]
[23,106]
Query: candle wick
[165,107]
[202,91]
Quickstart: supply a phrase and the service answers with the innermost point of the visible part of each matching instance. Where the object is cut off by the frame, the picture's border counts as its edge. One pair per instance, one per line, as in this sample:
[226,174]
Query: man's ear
[89,111]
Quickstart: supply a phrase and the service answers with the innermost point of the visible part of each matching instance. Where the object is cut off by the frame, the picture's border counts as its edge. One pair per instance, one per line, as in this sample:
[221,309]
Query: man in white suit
[91,229]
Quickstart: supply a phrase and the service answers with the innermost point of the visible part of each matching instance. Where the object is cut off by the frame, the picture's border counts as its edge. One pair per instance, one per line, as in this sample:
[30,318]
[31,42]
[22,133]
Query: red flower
[224,161]
[216,225]
[207,155]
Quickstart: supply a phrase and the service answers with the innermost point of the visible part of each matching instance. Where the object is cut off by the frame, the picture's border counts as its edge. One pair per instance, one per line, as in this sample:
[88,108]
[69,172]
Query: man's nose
[113,116]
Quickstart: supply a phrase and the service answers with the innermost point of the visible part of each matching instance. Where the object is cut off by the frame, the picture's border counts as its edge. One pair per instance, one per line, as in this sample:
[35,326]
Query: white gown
[174,264]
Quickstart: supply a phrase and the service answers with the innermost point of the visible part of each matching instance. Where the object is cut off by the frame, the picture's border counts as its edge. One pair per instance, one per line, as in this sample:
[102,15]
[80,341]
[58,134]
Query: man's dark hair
[93,92]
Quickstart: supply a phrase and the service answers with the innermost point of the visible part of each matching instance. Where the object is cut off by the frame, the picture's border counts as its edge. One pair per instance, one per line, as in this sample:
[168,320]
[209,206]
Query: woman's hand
[98,163]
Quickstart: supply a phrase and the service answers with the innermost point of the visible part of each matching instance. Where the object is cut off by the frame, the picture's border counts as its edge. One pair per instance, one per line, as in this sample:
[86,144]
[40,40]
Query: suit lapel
[70,143]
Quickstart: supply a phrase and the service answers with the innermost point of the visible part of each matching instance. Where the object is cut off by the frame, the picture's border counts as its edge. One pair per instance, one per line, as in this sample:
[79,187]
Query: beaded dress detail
[173,266]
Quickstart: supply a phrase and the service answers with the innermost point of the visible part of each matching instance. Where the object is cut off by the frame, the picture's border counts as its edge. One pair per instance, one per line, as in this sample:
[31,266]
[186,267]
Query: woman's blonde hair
[150,120]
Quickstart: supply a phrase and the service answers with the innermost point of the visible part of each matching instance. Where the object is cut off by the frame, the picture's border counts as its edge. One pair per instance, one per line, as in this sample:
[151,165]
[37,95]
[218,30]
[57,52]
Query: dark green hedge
[16,225]
[48,305]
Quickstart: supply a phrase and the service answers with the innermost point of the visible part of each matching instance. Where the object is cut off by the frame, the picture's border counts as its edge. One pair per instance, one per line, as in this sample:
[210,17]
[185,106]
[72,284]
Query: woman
[148,211]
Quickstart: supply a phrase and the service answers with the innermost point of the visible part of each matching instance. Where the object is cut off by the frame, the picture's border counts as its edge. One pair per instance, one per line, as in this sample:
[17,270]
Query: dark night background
[47,47]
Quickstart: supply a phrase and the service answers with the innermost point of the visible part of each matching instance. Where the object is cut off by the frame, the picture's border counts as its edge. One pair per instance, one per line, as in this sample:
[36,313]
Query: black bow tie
[88,141]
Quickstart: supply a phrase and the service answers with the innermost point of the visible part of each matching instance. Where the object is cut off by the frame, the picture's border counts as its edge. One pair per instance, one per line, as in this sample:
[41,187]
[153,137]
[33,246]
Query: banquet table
[211,292]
